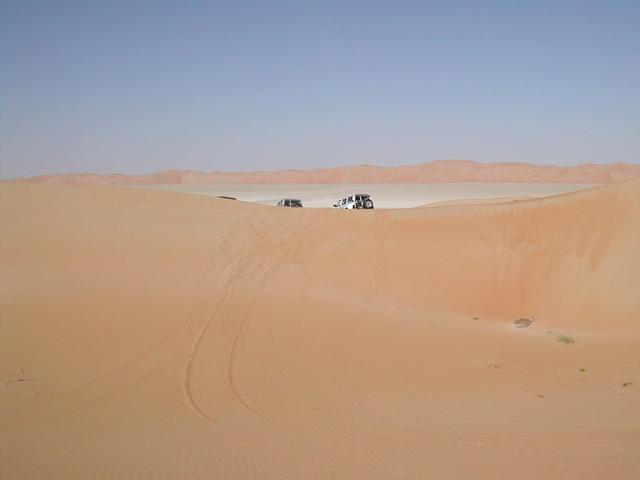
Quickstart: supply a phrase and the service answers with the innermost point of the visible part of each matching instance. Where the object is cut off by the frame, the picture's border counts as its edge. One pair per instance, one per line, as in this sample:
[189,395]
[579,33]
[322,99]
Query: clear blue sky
[140,86]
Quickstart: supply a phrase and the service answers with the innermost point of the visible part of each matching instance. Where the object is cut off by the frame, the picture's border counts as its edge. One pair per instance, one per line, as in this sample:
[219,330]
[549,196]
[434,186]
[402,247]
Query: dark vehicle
[355,201]
[290,202]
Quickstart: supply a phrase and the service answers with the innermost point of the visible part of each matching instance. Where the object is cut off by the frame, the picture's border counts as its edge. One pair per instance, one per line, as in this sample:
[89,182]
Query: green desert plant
[565,338]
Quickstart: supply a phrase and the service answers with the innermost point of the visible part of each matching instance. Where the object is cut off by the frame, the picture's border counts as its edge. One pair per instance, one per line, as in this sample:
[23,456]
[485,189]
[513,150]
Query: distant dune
[154,334]
[440,171]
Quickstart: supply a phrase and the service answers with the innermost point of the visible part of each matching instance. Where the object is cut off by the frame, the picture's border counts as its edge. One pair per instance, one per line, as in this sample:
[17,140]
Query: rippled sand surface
[154,334]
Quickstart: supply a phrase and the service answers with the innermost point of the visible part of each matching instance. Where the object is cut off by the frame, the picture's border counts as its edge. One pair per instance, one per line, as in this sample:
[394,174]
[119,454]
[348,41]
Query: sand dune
[477,201]
[440,171]
[152,334]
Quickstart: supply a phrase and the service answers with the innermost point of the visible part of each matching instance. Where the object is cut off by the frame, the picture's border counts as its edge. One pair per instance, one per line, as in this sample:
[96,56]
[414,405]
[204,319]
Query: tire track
[262,277]
[267,273]
[237,265]
[381,263]
[201,300]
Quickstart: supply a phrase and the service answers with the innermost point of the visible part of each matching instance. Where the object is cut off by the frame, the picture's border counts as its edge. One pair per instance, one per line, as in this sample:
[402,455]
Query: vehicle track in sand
[209,286]
[381,234]
[133,371]
[234,267]
[246,266]
[291,247]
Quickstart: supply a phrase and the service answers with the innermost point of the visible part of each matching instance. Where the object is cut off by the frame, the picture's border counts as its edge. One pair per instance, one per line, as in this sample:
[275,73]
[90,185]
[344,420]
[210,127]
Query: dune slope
[150,334]
[439,171]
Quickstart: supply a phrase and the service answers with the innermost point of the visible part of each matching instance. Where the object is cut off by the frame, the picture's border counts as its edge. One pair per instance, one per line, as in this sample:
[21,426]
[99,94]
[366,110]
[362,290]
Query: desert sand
[154,334]
[439,171]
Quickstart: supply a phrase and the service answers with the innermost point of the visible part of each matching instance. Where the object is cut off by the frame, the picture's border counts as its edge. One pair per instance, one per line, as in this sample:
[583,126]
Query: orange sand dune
[476,201]
[150,334]
[440,171]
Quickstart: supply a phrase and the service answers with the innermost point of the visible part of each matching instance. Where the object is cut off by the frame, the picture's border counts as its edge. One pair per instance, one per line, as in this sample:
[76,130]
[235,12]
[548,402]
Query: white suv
[290,202]
[357,200]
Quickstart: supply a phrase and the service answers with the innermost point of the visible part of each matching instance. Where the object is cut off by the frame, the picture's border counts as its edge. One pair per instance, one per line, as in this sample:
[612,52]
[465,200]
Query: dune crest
[152,334]
[440,171]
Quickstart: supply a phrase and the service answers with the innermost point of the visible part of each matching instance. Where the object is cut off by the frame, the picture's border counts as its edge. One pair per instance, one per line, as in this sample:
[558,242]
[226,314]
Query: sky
[141,86]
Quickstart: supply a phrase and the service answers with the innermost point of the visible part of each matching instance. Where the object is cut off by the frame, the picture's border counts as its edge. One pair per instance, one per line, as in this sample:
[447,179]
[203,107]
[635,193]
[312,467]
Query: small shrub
[523,322]
[566,339]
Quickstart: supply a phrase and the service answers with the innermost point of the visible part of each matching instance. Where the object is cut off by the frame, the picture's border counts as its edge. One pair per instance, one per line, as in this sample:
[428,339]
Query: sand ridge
[439,171]
[152,334]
